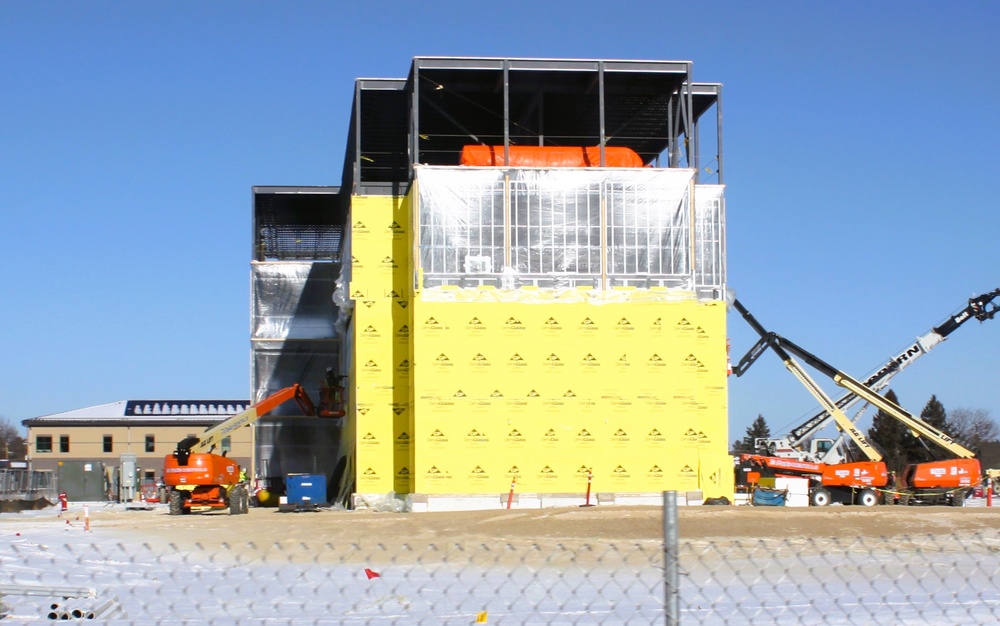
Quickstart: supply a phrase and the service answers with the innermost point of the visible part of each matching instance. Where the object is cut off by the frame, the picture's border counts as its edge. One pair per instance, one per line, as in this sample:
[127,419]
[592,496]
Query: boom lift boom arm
[915,424]
[980,308]
[214,435]
[783,346]
[844,423]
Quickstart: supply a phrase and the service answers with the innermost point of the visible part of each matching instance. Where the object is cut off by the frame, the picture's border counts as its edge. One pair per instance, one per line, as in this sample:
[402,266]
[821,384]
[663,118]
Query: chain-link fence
[928,579]
[24,484]
[348,584]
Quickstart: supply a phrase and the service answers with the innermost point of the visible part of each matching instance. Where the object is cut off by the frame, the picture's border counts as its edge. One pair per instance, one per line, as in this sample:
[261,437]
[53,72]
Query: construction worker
[325,394]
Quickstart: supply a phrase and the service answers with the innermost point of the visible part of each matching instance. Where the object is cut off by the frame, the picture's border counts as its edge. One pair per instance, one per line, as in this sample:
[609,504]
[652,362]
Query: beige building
[85,447]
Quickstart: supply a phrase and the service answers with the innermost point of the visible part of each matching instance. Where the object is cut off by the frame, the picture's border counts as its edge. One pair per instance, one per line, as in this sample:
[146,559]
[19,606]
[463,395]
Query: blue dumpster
[304,492]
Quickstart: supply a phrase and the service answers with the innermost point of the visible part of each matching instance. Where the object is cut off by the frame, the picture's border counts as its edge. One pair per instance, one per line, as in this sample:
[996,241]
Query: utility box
[303,492]
[127,478]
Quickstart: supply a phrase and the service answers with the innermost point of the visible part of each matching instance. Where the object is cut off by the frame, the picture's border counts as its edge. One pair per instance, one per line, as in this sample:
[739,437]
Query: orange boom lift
[198,478]
[947,481]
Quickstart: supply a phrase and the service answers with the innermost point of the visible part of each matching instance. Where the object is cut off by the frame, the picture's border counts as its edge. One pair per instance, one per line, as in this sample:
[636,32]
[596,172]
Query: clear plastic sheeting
[293,300]
[302,446]
[279,364]
[462,226]
[555,223]
[649,225]
[597,228]
[294,340]
[710,239]
[286,441]
[385,503]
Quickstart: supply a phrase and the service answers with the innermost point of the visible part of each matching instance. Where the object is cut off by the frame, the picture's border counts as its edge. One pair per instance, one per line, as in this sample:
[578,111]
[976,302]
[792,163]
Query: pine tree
[935,415]
[895,440]
[758,430]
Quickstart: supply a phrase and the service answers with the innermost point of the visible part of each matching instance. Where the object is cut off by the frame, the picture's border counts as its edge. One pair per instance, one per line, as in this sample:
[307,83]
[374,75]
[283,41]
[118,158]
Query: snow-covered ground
[927,579]
[127,577]
[149,583]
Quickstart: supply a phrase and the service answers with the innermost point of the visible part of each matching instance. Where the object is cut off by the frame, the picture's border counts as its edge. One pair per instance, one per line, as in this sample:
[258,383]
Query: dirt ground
[594,525]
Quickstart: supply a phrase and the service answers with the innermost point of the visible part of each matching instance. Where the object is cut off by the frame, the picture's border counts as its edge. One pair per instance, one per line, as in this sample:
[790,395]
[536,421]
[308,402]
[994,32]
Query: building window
[64,443]
[108,443]
[225,446]
[150,443]
[43,443]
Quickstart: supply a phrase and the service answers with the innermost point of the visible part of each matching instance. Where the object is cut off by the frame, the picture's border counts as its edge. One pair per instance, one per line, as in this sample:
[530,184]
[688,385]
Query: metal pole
[671,569]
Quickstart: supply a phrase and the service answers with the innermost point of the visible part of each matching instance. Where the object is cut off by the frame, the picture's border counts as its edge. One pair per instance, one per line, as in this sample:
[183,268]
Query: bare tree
[972,427]
[12,445]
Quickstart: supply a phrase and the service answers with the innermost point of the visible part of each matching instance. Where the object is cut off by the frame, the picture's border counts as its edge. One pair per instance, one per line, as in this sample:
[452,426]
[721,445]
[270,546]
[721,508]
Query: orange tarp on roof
[551,156]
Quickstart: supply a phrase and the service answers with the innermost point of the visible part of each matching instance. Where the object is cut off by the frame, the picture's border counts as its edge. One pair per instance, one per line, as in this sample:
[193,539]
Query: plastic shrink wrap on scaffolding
[293,300]
[296,335]
[553,228]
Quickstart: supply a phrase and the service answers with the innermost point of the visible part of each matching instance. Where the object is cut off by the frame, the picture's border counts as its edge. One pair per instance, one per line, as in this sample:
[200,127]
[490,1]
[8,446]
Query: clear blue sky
[862,158]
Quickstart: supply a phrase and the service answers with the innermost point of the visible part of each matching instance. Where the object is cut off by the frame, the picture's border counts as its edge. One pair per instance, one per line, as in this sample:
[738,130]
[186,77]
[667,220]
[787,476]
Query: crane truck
[947,481]
[197,478]
[801,443]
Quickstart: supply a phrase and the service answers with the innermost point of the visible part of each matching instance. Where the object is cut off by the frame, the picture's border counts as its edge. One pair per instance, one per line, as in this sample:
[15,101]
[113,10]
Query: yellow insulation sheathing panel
[381,389]
[716,475]
[379,219]
[380,385]
[402,426]
[374,449]
[544,391]
[380,248]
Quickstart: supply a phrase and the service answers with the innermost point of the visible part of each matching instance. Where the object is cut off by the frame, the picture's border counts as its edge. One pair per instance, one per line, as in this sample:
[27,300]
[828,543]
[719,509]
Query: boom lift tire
[820,497]
[234,500]
[868,497]
[958,498]
[176,502]
[238,500]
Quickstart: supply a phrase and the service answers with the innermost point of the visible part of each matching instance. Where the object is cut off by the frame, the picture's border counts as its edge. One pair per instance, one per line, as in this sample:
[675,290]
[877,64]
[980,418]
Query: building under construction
[521,279]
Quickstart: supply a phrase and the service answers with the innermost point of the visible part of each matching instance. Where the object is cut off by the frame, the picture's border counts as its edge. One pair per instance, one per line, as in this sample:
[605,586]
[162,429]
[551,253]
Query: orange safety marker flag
[481,617]
[371,573]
